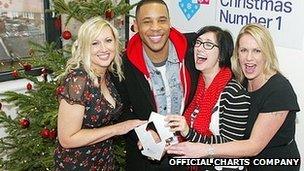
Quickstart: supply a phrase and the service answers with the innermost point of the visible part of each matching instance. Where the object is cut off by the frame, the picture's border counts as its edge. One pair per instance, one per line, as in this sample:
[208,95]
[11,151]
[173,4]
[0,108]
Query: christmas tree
[31,135]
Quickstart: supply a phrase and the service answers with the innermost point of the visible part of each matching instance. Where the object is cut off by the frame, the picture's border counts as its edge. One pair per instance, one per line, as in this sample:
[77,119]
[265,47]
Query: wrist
[115,129]
[210,151]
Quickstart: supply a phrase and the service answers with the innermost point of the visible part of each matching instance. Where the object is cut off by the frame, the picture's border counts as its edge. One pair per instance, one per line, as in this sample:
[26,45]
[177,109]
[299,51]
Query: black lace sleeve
[74,88]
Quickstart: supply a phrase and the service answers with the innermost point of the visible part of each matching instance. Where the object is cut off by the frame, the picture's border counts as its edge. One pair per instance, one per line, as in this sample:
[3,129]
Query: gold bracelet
[210,151]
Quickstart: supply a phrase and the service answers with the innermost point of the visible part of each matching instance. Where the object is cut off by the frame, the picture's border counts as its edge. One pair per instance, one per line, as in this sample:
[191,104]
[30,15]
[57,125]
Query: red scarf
[205,100]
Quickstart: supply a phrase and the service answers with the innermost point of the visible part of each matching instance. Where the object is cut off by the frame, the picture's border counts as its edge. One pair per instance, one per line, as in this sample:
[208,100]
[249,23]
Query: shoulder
[190,35]
[235,94]
[78,72]
[278,81]
[125,60]
[234,88]
[277,94]
[77,75]
[278,85]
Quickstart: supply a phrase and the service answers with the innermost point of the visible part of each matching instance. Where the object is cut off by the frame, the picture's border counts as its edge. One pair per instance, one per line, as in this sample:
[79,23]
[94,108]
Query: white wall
[291,61]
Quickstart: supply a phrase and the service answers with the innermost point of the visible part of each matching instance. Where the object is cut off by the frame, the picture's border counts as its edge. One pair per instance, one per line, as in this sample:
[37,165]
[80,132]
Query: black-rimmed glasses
[206,45]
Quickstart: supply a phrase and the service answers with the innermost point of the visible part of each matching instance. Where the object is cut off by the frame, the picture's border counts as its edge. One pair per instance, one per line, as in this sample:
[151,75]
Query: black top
[276,94]
[79,89]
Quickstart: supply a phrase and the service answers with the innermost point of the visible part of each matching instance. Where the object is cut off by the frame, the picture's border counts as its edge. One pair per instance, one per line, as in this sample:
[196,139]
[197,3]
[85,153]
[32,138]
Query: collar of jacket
[135,50]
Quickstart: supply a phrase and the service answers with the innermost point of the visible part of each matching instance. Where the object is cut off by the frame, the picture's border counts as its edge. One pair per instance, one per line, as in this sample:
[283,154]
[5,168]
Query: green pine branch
[82,10]
[48,56]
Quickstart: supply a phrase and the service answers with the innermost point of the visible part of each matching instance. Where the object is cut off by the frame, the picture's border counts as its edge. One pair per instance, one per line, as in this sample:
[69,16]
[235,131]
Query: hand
[126,126]
[177,123]
[188,149]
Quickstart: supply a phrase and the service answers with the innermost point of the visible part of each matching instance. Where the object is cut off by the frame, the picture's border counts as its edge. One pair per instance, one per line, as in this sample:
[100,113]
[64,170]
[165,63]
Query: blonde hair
[81,49]
[263,38]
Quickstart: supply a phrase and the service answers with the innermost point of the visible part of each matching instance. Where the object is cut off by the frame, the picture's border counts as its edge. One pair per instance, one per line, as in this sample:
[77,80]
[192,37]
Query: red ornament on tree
[52,134]
[109,14]
[45,133]
[15,74]
[29,86]
[27,67]
[66,35]
[24,123]
[57,23]
[59,90]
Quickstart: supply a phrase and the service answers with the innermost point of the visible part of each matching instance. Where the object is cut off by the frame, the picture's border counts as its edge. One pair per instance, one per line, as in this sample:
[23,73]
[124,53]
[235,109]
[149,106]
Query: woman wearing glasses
[219,110]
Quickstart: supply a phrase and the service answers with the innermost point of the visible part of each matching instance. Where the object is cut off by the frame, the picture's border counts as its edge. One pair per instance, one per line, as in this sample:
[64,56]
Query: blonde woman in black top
[89,101]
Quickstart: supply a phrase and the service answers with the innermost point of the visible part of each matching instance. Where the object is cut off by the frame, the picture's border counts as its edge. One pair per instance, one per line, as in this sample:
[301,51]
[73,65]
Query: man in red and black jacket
[160,75]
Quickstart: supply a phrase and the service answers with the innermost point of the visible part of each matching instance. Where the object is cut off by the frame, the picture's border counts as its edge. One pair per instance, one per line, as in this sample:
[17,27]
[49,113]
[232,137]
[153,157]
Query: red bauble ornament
[29,86]
[57,23]
[24,123]
[52,134]
[15,74]
[45,133]
[59,90]
[66,35]
[109,14]
[27,67]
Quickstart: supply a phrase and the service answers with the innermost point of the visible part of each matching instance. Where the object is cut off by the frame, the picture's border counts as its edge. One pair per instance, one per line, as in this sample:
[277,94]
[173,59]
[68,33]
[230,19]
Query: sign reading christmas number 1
[284,18]
[230,14]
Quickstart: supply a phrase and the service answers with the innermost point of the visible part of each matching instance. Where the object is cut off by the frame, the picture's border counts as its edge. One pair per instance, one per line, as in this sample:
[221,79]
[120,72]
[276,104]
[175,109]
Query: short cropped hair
[143,2]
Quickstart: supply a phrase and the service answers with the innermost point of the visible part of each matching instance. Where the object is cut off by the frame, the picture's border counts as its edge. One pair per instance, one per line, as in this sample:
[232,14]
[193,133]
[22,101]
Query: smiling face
[206,61]
[251,58]
[103,49]
[153,25]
